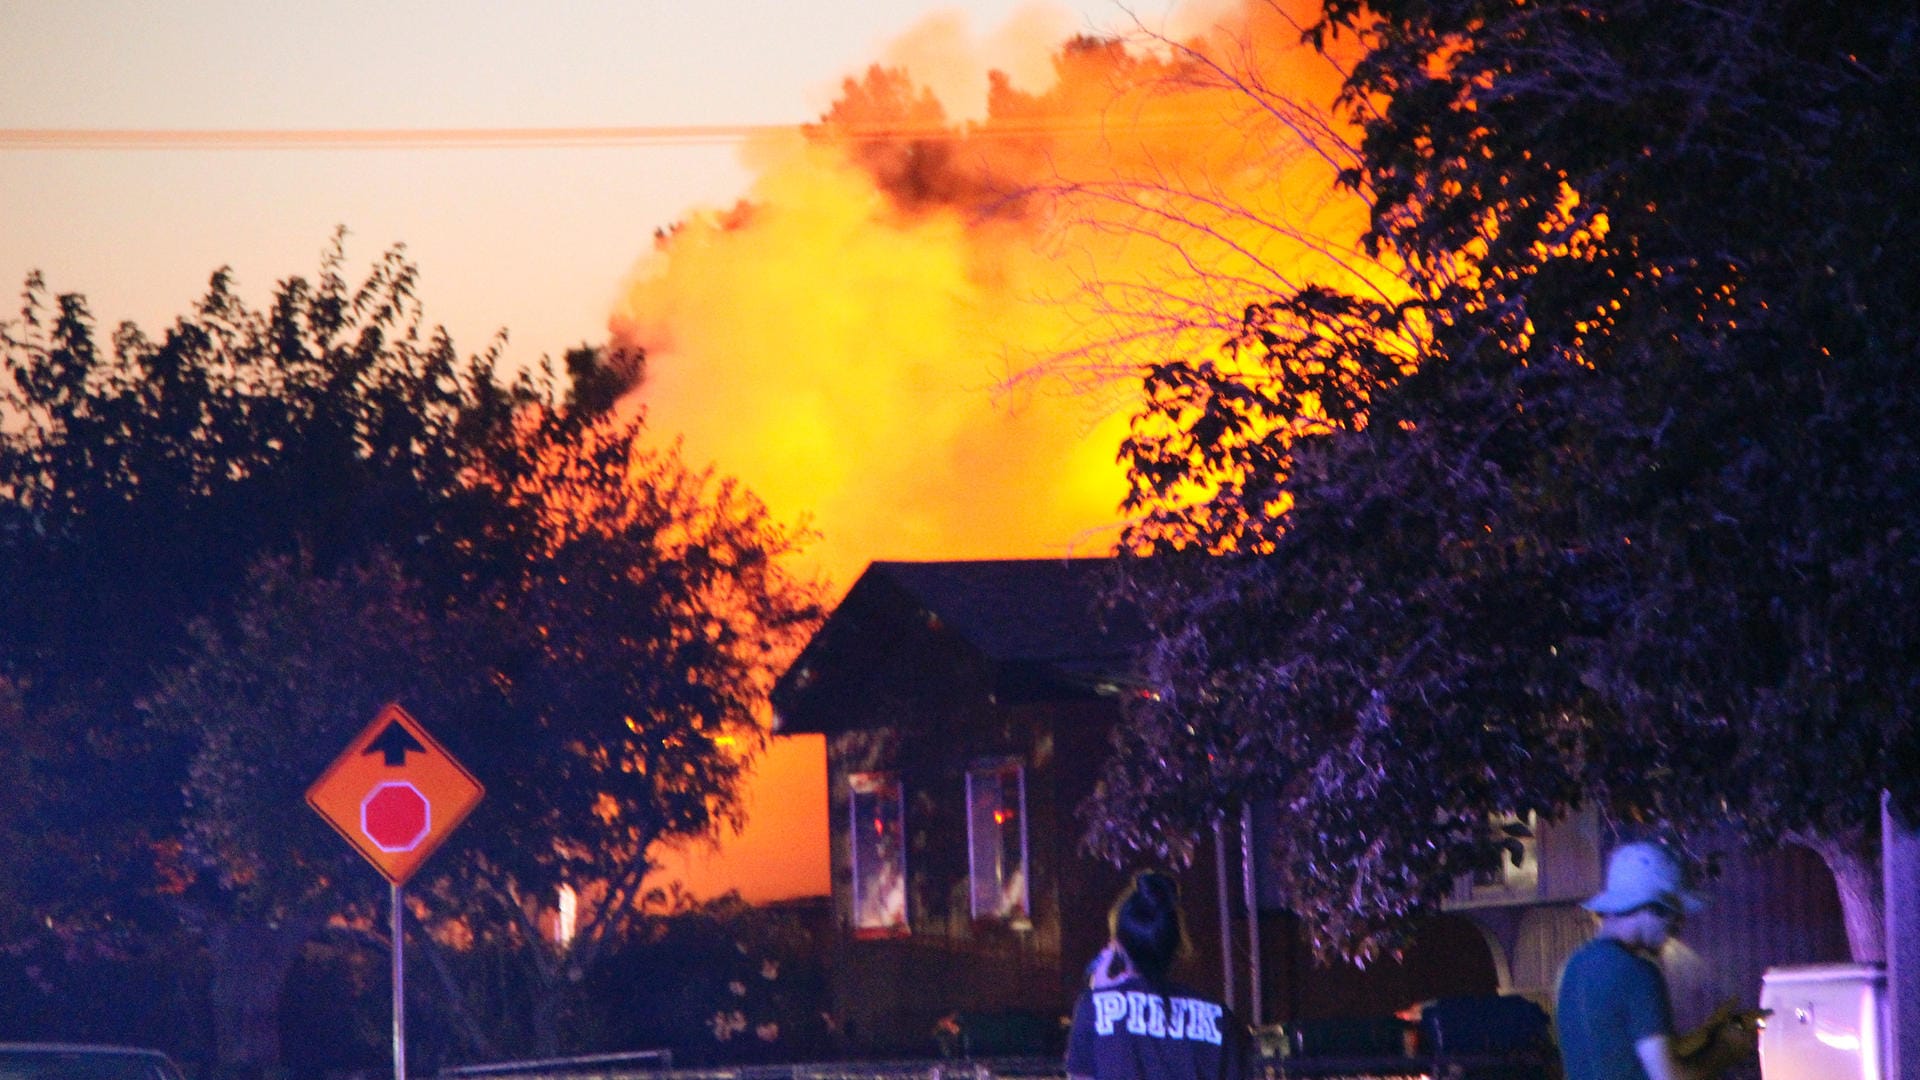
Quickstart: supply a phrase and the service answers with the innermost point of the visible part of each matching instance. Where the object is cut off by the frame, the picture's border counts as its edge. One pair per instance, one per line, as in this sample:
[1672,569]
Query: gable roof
[1026,629]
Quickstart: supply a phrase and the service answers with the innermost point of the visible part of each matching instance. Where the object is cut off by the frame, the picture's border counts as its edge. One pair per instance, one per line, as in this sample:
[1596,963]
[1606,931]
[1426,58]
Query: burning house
[966,708]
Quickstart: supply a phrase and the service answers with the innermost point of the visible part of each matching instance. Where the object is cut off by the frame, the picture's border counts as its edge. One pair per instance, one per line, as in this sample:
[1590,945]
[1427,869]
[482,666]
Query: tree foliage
[606,693]
[635,655]
[1618,506]
[139,481]
[721,983]
[227,548]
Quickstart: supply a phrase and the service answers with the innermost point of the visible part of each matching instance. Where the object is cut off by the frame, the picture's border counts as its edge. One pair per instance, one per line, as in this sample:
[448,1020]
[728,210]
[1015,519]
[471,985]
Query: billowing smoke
[916,329]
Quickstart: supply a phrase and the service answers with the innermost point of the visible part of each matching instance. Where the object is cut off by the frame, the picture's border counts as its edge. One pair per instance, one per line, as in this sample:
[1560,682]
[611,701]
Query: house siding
[1763,910]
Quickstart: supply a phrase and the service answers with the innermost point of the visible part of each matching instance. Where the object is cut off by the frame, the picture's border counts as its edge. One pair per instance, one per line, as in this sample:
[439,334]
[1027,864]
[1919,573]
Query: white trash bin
[1828,1022]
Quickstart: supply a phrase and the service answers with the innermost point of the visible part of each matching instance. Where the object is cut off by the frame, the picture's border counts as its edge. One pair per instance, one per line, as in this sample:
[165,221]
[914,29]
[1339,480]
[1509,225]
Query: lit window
[879,854]
[997,843]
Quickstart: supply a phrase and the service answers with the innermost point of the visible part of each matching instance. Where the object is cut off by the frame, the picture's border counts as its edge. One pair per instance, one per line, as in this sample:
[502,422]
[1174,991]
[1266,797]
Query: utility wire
[533,137]
[372,138]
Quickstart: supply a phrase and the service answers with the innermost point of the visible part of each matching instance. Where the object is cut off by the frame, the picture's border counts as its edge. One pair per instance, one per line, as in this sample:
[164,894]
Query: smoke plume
[920,328]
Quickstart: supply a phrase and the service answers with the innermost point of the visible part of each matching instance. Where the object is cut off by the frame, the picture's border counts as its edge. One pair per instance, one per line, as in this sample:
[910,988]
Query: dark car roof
[83,1061]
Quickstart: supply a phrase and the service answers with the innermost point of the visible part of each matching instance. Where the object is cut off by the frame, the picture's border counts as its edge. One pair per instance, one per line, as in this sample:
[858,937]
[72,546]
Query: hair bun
[1146,922]
[1157,889]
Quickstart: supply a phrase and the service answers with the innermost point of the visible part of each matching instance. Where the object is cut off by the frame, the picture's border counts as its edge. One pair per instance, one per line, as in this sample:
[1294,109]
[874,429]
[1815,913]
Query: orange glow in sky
[781,854]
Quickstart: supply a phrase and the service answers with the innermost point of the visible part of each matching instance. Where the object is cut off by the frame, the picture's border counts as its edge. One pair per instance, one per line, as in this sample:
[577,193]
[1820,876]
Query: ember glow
[916,331]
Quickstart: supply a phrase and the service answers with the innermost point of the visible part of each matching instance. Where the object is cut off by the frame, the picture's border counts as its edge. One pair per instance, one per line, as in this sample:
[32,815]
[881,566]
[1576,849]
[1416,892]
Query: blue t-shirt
[1610,998]
[1134,1031]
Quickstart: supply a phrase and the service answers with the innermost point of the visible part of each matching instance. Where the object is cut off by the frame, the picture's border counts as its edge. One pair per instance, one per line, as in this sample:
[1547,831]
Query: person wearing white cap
[1614,1018]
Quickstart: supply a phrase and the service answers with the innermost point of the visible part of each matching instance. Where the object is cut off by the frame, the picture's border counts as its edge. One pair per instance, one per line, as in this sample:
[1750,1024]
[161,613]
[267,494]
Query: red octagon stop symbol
[395,816]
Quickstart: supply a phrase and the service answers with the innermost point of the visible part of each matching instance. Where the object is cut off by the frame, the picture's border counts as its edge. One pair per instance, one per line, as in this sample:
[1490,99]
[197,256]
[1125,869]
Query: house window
[997,843]
[1515,878]
[879,854]
[1518,870]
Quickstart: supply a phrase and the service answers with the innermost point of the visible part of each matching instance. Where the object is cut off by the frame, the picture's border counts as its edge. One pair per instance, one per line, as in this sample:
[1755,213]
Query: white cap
[1640,874]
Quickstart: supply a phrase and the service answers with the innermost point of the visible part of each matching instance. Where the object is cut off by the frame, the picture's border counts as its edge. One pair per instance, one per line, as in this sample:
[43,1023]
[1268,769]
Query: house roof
[1021,609]
[1029,629]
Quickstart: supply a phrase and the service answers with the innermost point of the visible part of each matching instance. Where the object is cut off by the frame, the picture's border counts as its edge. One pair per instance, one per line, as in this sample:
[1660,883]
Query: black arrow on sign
[394,742]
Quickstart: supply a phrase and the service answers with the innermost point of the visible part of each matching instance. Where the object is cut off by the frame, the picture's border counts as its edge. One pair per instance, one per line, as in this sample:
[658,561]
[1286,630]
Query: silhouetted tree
[256,531]
[1616,505]
[139,481]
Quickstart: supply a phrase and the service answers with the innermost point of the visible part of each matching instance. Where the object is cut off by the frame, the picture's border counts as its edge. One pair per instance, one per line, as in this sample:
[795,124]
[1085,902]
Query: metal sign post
[399,990]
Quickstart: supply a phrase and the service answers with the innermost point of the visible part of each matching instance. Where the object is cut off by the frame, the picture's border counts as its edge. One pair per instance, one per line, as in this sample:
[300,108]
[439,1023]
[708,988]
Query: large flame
[921,334]
[855,339]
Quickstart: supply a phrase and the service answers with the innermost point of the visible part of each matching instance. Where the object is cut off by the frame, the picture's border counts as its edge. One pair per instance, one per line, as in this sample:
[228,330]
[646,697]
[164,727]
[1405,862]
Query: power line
[532,137]
[375,138]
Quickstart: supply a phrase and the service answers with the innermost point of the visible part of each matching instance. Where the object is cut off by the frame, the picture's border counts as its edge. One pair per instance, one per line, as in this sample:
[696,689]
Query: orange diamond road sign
[395,793]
